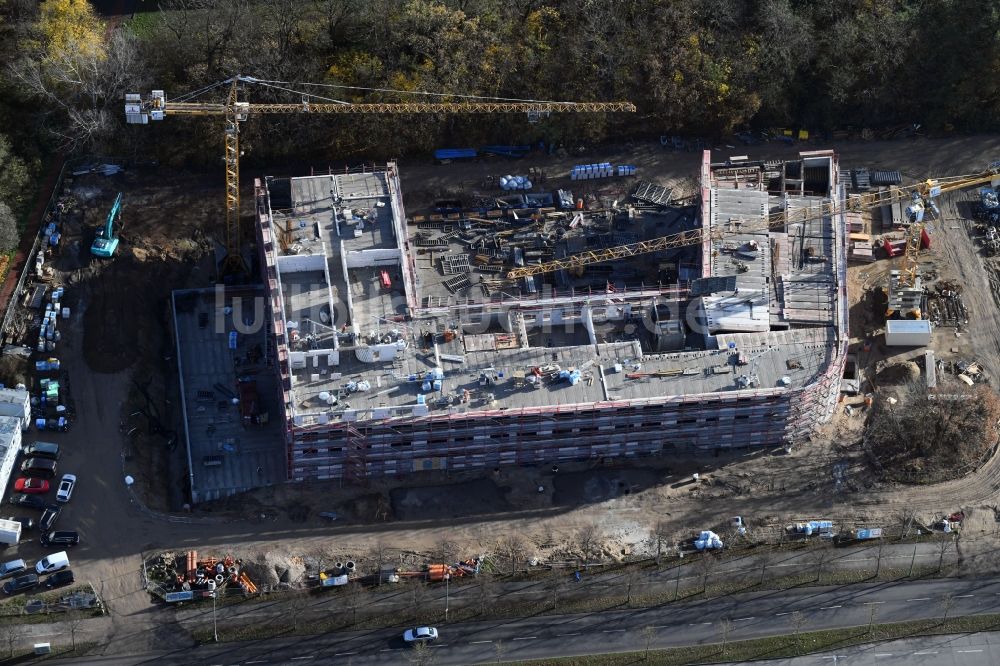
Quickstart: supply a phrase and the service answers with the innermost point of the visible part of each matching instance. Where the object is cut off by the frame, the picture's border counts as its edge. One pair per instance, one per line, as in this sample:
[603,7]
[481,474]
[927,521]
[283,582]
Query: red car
[31,486]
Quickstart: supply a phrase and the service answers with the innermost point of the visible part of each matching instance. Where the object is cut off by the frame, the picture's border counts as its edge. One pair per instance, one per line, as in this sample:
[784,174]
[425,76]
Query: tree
[378,556]
[81,76]
[12,633]
[9,237]
[943,546]
[633,576]
[725,626]
[295,606]
[947,603]
[355,595]
[498,649]
[513,547]
[762,561]
[797,620]
[558,584]
[820,557]
[706,565]
[421,654]
[872,609]
[485,592]
[661,535]
[418,599]
[14,175]
[648,636]
[74,624]
[587,539]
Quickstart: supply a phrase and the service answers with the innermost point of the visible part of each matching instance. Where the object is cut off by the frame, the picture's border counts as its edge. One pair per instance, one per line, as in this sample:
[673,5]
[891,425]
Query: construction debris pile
[186,577]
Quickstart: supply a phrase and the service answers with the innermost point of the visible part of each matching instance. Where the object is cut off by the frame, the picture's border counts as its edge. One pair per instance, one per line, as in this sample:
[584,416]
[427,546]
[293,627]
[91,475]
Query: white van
[53,562]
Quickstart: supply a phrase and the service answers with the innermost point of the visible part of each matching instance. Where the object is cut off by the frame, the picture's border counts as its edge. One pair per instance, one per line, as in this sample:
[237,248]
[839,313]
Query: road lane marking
[437,646]
[337,654]
[576,634]
[779,614]
[968,650]
[829,607]
[613,631]
[660,626]
[920,599]
[479,642]
[297,658]
[256,662]
[524,638]
[706,623]
[925,653]
[962,596]
[389,649]
[873,602]
[739,619]
[883,654]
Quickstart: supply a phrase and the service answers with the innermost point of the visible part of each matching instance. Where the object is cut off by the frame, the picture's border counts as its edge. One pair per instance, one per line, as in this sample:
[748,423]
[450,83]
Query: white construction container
[10,532]
[10,446]
[16,403]
[907,333]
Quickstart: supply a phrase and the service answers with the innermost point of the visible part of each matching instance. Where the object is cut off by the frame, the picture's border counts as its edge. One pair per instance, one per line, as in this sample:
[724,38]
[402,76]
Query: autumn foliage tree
[926,438]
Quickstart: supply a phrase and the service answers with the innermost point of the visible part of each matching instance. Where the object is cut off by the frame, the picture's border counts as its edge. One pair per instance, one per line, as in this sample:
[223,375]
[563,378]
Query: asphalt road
[751,616]
[981,649]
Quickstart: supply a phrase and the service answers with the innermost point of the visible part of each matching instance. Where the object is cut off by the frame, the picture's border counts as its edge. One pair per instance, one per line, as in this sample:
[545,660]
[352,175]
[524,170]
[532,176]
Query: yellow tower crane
[926,190]
[141,109]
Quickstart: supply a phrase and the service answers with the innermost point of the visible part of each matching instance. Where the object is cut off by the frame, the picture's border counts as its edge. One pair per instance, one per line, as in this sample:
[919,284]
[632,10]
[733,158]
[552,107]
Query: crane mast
[140,110]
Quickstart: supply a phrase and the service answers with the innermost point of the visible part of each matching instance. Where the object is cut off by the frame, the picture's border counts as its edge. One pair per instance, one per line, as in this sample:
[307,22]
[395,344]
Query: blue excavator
[107,238]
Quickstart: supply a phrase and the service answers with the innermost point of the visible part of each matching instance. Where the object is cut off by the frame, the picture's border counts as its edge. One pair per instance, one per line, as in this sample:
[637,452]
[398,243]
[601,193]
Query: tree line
[694,67]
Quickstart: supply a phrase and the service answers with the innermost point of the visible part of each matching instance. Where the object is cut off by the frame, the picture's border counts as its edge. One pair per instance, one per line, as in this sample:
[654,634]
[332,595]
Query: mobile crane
[107,238]
[156,106]
[922,193]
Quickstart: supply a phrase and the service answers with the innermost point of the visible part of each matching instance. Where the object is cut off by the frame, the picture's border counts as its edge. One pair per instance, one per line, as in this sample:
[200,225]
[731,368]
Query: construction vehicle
[139,110]
[107,238]
[926,191]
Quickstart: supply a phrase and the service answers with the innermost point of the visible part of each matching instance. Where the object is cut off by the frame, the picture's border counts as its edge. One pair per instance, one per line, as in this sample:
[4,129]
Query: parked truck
[10,532]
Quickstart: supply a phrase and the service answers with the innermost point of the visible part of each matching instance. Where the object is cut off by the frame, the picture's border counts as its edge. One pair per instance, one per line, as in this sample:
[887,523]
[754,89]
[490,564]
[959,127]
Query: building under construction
[403,343]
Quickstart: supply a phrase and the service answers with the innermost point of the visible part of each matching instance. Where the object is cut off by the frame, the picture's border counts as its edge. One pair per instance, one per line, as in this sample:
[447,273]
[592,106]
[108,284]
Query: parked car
[42,468]
[29,501]
[60,538]
[26,523]
[60,578]
[41,450]
[12,568]
[420,635]
[20,584]
[48,518]
[31,486]
[53,562]
[66,486]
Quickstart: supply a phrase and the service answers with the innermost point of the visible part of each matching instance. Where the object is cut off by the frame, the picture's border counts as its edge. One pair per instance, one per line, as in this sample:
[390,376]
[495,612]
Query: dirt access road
[769,488]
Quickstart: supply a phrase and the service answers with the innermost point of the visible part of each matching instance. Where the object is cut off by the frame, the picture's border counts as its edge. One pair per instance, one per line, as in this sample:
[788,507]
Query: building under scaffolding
[400,345]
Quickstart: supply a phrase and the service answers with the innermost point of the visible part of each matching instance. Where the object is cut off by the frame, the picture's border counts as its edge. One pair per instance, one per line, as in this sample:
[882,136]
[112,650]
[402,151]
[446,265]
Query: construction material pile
[187,577]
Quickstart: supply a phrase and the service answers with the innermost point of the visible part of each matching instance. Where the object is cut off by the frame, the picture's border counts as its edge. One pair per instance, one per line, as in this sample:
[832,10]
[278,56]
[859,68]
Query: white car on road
[420,635]
[66,487]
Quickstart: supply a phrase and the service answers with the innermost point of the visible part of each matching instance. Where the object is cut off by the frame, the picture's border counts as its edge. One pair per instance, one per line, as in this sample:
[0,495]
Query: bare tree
[633,576]
[820,557]
[706,565]
[12,633]
[447,551]
[513,547]
[797,620]
[378,556]
[485,592]
[677,580]
[421,654]
[587,539]
[418,598]
[872,609]
[725,626]
[354,598]
[943,546]
[661,536]
[74,624]
[762,561]
[295,606]
[648,635]
[878,562]
[557,586]
[947,603]
[498,649]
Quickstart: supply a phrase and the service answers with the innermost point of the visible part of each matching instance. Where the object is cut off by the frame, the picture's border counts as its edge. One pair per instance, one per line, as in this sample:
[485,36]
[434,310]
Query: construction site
[410,341]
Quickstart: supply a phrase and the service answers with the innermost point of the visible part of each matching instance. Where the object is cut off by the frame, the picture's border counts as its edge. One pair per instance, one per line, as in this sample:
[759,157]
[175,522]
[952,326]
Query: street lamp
[215,625]
[447,582]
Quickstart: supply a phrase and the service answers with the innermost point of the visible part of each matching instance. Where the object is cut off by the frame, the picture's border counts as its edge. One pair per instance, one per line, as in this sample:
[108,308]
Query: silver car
[66,486]
[420,635]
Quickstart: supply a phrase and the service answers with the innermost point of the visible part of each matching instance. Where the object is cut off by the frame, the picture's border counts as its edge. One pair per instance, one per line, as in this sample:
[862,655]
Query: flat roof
[769,307]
